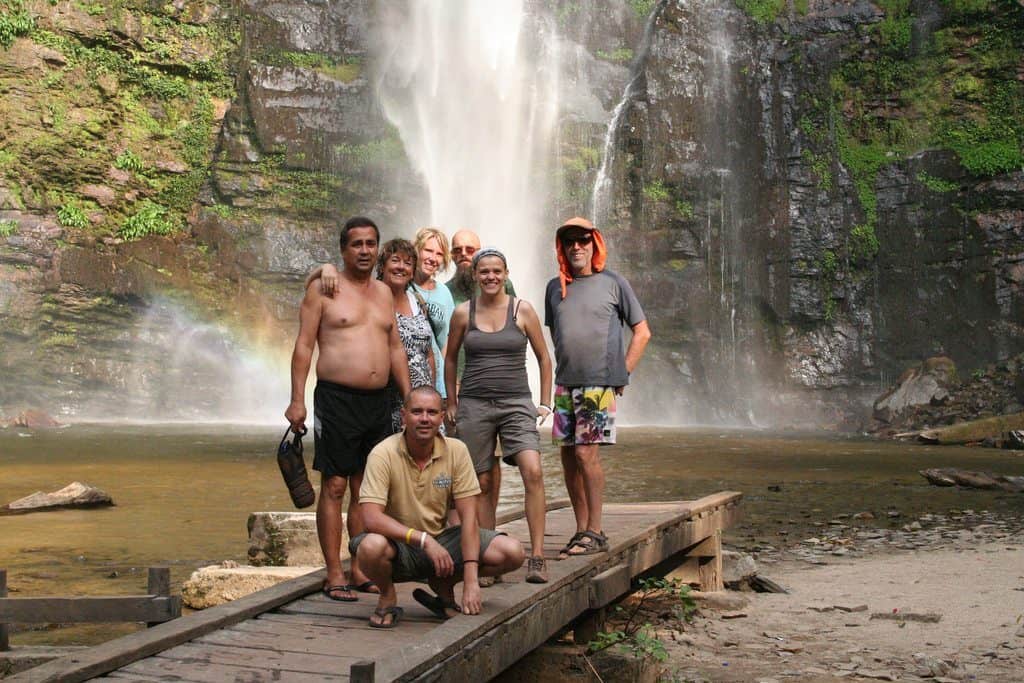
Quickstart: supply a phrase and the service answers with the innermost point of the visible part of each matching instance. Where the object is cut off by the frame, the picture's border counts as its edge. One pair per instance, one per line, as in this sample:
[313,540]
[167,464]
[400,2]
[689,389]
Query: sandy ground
[824,629]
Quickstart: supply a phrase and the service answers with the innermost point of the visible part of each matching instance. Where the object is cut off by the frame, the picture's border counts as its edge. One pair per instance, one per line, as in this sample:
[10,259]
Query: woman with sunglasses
[494,400]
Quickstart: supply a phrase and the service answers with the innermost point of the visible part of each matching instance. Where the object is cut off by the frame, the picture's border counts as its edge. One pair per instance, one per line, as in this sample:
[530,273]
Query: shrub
[71,216]
[863,242]
[8,228]
[15,20]
[128,161]
[656,191]
[150,219]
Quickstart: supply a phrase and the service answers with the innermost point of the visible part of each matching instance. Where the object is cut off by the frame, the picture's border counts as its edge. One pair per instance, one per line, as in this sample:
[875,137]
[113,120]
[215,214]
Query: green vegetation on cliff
[112,108]
[954,87]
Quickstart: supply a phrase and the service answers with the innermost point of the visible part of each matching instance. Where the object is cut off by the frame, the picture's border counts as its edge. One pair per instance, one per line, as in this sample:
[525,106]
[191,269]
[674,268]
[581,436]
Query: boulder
[927,384]
[220,583]
[950,476]
[286,539]
[737,568]
[74,495]
[34,419]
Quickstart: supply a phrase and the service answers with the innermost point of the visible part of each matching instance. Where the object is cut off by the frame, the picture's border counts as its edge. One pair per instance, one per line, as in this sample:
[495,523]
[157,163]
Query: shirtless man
[359,350]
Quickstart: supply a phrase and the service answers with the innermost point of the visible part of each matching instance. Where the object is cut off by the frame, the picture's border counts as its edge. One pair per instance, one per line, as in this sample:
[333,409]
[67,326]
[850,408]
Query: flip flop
[592,543]
[395,612]
[364,587]
[328,590]
[435,603]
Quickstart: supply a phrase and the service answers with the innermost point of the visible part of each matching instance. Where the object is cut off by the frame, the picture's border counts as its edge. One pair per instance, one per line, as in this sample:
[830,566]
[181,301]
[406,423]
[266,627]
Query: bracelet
[468,561]
[545,405]
[408,535]
[423,540]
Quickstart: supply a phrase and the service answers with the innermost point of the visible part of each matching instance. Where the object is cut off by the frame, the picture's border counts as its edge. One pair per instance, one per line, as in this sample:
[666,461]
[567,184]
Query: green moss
[863,243]
[622,55]
[71,216]
[128,161]
[642,7]
[150,219]
[657,191]
[937,185]
[762,11]
[821,167]
[15,20]
[60,339]
[344,69]
[802,7]
[8,228]
[684,209]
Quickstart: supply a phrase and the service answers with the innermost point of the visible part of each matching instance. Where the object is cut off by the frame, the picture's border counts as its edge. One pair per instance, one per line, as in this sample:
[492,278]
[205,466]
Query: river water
[183,494]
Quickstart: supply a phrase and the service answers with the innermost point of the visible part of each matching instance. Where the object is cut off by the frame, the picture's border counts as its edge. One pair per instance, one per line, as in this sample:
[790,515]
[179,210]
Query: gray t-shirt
[586,327]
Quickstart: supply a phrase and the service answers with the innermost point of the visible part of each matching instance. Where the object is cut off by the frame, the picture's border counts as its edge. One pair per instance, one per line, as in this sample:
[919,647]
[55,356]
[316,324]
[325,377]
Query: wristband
[545,405]
[423,540]
[408,535]
[473,561]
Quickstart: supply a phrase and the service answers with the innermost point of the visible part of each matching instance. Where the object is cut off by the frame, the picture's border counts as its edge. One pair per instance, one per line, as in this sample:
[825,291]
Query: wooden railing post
[363,671]
[5,643]
[159,583]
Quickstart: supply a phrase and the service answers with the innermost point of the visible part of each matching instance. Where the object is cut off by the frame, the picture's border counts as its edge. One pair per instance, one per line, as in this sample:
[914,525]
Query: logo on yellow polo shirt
[442,481]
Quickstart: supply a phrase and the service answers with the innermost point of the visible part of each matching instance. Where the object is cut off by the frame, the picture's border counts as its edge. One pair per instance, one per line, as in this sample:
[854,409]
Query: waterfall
[472,88]
[603,180]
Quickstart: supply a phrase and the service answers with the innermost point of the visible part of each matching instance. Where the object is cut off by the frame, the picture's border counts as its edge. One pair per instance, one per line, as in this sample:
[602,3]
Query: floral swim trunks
[584,415]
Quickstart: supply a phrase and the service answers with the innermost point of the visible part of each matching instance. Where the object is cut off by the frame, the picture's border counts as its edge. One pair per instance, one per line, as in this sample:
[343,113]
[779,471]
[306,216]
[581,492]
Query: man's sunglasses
[582,240]
[469,251]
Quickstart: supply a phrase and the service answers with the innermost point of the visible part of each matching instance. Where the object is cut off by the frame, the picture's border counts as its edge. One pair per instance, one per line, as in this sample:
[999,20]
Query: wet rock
[34,419]
[74,495]
[217,584]
[927,384]
[720,600]
[950,476]
[285,539]
[737,568]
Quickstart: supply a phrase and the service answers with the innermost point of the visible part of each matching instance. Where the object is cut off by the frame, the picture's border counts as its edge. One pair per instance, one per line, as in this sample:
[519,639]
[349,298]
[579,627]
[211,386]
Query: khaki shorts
[481,422]
[412,564]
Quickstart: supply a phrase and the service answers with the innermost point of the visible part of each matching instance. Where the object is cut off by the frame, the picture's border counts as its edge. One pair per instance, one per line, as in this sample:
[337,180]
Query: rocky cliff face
[813,218]
[808,196]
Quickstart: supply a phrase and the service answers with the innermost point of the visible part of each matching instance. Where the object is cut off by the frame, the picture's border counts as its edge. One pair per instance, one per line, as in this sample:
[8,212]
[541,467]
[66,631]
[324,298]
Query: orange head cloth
[600,250]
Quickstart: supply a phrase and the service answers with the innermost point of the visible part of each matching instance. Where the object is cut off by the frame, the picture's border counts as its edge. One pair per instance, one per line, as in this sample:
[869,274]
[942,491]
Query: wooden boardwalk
[293,633]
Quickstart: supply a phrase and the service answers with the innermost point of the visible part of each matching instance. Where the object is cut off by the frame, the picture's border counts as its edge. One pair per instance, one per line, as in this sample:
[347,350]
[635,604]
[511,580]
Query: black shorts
[347,424]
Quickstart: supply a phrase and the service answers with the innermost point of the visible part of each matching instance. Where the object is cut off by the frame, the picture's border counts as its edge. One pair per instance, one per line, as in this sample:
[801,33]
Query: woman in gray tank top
[494,401]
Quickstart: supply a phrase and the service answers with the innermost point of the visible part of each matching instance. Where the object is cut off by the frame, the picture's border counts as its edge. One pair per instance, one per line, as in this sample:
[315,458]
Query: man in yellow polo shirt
[412,478]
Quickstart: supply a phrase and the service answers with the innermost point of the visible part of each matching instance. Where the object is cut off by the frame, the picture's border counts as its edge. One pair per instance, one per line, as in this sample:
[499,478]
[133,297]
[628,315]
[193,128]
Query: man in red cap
[586,307]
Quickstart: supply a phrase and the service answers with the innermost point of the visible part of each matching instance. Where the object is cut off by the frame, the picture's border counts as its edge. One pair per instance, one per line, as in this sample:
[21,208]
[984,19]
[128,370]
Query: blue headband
[489,251]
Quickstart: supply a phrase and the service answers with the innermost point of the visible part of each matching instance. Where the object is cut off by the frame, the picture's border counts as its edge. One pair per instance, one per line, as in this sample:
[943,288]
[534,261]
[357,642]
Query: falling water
[603,181]
[472,89]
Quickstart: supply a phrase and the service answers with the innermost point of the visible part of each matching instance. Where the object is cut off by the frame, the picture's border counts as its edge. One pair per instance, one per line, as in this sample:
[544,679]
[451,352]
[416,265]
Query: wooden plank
[162,668]
[97,610]
[518,614]
[159,583]
[5,643]
[609,585]
[467,654]
[710,564]
[117,653]
[363,671]
[303,662]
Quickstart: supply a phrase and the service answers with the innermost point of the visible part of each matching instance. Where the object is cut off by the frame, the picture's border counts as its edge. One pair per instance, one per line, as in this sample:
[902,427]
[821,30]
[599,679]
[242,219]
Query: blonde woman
[433,257]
